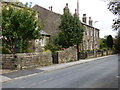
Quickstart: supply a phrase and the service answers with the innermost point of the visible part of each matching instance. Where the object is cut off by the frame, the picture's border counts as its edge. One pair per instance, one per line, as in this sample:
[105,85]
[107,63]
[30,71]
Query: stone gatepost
[18,62]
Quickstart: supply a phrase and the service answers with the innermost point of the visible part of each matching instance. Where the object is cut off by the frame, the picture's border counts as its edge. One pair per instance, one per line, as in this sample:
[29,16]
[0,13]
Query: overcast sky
[96,9]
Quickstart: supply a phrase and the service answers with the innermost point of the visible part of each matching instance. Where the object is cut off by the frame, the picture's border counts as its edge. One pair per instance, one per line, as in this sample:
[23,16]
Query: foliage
[117,42]
[19,26]
[71,31]
[109,41]
[114,7]
[52,47]
[106,42]
[103,44]
[4,51]
[9,0]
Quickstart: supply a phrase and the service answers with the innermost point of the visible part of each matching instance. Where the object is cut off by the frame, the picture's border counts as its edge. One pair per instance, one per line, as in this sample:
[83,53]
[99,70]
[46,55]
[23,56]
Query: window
[43,42]
[97,34]
[85,32]
[91,45]
[91,32]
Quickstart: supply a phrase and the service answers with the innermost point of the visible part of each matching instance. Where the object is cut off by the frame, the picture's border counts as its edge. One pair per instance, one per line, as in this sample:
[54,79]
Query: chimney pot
[66,9]
[84,15]
[66,4]
[89,18]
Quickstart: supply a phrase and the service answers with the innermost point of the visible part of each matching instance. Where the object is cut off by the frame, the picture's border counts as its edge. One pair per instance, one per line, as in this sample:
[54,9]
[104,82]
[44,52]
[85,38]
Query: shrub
[52,47]
[4,51]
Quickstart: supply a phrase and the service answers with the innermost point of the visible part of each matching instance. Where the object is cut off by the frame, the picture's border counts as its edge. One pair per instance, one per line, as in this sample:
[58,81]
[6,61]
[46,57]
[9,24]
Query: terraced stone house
[51,22]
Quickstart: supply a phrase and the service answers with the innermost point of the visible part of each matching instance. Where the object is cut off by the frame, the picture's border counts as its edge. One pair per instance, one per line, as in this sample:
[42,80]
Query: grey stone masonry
[40,59]
[67,55]
[26,60]
[50,19]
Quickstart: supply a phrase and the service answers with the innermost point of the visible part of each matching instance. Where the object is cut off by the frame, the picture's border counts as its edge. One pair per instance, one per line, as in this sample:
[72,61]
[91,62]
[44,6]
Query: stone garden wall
[98,54]
[26,60]
[67,55]
[33,60]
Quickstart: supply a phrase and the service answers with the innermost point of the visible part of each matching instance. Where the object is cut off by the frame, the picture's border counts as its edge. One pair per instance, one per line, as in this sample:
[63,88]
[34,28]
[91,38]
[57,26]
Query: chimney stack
[51,8]
[84,19]
[66,5]
[66,9]
[90,21]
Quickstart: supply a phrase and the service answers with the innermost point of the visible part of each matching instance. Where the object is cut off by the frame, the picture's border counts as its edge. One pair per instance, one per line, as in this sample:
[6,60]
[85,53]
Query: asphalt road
[96,74]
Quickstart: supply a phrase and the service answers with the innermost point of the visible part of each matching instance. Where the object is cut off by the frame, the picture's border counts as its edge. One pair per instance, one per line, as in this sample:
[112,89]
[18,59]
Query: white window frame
[42,41]
[91,33]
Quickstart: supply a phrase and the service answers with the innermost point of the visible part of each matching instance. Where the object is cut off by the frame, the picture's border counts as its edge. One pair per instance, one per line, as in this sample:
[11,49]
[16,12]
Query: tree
[109,41]
[117,42]
[19,26]
[71,31]
[64,37]
[9,0]
[103,43]
[114,7]
[78,30]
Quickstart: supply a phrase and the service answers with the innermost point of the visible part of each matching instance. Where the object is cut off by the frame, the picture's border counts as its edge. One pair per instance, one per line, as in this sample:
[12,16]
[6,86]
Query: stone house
[38,45]
[51,22]
[91,35]
[50,19]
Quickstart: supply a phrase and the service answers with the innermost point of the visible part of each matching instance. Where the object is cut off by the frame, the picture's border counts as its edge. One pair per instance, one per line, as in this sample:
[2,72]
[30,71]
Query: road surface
[101,73]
